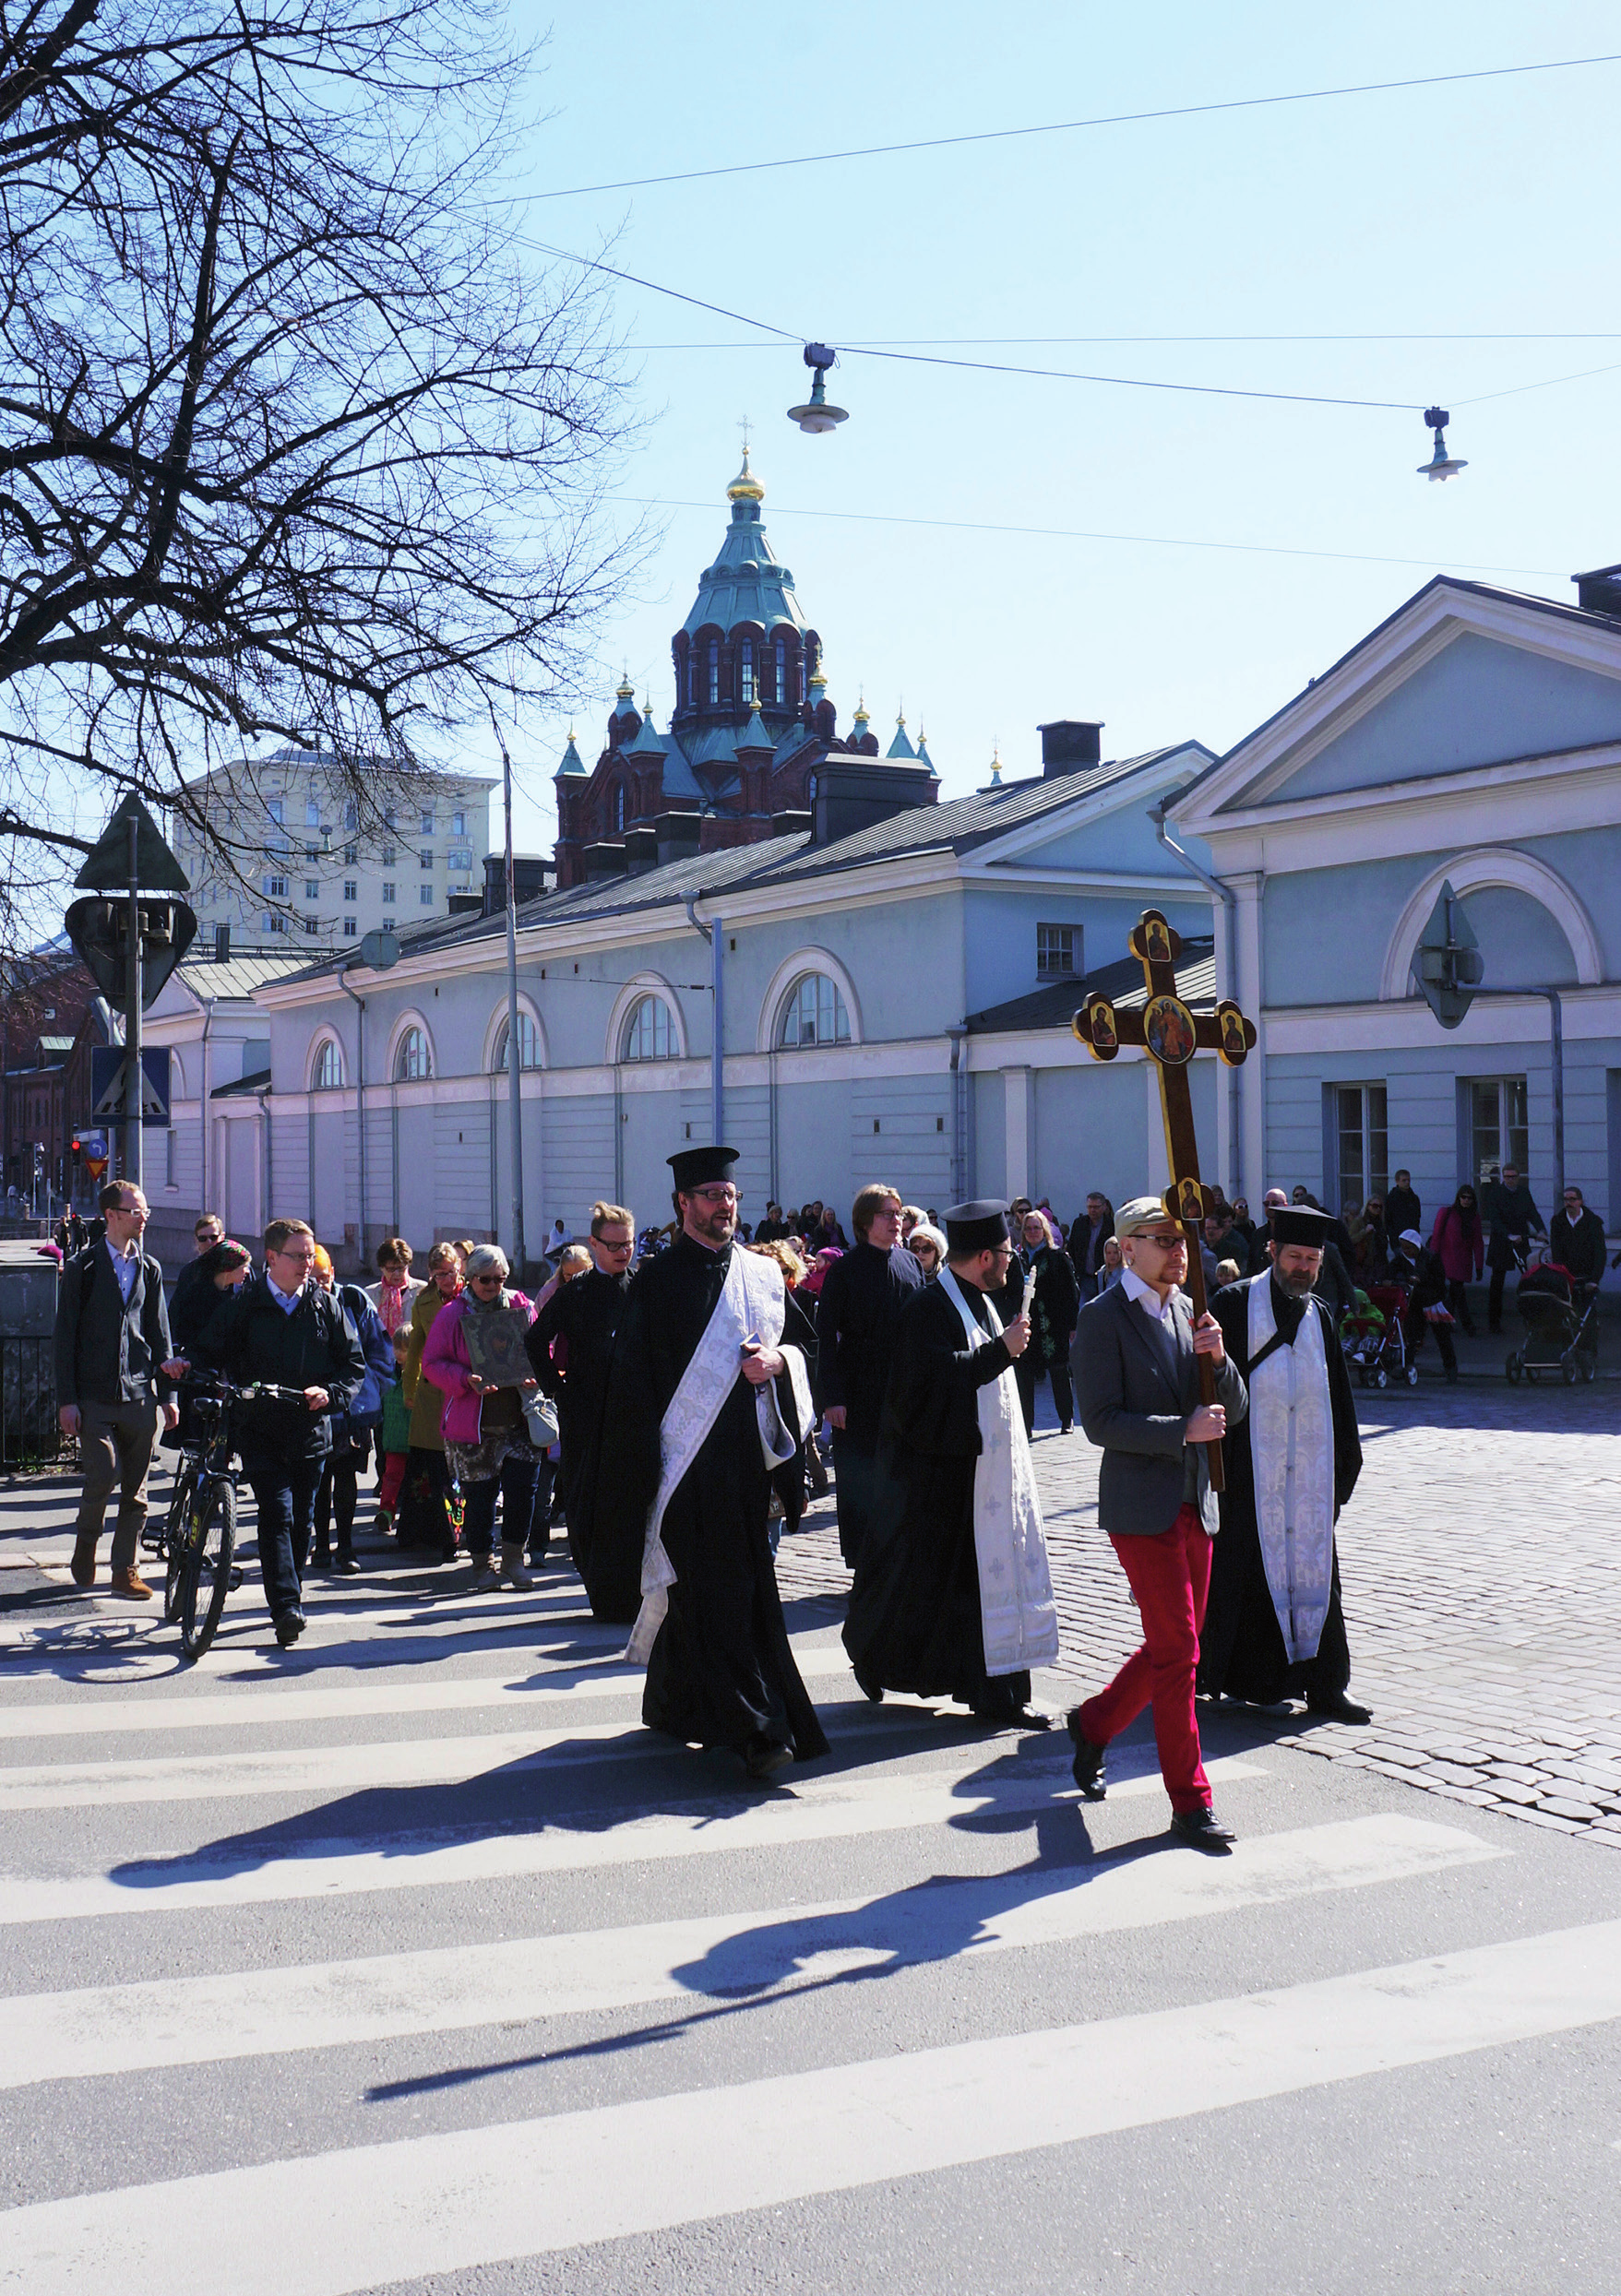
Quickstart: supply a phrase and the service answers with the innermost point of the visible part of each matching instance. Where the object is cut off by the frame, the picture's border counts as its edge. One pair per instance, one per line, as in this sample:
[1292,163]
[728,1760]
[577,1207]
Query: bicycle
[199,1536]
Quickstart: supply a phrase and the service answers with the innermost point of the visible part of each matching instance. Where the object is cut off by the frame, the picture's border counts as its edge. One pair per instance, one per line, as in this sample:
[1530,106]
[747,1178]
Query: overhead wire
[1069,127]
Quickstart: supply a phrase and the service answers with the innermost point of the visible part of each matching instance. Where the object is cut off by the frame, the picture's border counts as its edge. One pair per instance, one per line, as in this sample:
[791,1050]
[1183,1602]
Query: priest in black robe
[692,1358]
[570,1345]
[919,1618]
[1275,1626]
[857,1316]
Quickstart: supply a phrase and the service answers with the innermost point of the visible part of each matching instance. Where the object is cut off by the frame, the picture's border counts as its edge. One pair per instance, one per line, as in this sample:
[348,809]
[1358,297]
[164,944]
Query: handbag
[539,1416]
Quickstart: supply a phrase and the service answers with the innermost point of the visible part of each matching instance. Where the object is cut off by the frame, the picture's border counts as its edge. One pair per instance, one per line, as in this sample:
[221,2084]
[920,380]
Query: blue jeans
[516,1480]
[284,1490]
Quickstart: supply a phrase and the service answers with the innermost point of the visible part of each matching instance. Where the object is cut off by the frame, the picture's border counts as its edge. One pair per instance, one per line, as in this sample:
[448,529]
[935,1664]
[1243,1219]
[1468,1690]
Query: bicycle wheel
[209,1554]
[176,1533]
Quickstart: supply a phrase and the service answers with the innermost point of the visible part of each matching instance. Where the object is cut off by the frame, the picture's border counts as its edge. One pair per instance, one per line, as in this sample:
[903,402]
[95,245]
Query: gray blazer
[1135,1396]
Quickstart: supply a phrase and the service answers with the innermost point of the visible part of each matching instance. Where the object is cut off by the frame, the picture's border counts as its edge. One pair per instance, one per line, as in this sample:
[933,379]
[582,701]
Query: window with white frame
[1362,1143]
[351,856]
[459,861]
[388,856]
[1499,1126]
[428,820]
[647,1032]
[388,922]
[528,1044]
[352,889]
[426,858]
[312,813]
[458,824]
[1057,952]
[814,1012]
[329,1077]
[276,889]
[275,923]
[388,893]
[274,807]
[412,1062]
[426,897]
[312,925]
[352,815]
[312,888]
[351,929]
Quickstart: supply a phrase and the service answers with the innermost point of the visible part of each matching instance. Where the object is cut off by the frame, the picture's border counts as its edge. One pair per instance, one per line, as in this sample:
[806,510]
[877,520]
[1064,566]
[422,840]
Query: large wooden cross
[1169,1034]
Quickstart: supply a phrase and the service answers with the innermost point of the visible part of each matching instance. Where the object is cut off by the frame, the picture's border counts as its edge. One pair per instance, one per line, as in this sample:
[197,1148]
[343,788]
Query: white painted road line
[816,1809]
[335,2223]
[92,1715]
[108,2029]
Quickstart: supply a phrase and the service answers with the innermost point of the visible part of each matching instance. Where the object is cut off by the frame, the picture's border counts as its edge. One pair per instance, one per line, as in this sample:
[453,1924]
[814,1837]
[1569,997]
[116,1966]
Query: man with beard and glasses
[708,1391]
[1274,1628]
[570,1345]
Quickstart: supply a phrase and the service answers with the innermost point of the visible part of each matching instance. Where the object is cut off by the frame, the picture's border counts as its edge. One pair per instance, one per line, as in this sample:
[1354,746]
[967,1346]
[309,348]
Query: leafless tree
[294,439]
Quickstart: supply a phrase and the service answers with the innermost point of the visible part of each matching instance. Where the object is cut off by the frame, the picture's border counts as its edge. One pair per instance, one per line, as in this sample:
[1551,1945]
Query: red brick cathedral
[752,725]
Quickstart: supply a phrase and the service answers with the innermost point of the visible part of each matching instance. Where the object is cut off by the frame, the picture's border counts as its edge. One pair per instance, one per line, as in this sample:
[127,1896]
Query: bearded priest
[1274,1628]
[708,1391]
[953,1598]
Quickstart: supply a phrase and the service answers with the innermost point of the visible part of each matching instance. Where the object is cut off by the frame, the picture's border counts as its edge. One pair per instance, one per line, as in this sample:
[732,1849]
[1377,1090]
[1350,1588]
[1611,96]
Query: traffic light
[75,1146]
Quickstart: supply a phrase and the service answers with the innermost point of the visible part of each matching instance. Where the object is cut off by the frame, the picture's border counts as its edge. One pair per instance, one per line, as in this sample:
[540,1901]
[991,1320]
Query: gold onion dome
[745,487]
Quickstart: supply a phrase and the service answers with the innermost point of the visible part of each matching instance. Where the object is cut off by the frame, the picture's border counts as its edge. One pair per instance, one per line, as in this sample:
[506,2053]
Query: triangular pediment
[1461,679]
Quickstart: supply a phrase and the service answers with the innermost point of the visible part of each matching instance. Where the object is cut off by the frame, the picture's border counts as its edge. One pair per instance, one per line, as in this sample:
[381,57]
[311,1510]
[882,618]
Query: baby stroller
[1561,1321]
[1375,1339]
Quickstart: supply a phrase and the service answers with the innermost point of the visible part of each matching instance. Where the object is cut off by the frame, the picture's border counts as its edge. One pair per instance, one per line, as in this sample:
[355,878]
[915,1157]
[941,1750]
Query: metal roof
[1054,1003]
[239,976]
[746,582]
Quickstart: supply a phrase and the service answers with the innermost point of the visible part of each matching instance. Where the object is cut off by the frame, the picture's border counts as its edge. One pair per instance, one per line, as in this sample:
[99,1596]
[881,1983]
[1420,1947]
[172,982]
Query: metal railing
[30,1438]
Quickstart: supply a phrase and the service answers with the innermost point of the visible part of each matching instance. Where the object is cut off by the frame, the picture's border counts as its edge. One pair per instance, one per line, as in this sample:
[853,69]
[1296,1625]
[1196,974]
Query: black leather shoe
[764,1761]
[1201,1829]
[1340,1710]
[869,1689]
[1087,1765]
[289,1628]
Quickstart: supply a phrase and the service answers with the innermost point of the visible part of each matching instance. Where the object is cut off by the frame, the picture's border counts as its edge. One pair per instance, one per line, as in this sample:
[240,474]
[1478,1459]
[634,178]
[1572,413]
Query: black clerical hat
[1298,1223]
[700,1167]
[981,1226]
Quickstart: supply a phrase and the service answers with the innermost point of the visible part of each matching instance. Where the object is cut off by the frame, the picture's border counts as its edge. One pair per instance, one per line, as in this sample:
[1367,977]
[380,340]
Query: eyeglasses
[302,1259]
[488,1274]
[716,1195]
[604,1243]
[1160,1242]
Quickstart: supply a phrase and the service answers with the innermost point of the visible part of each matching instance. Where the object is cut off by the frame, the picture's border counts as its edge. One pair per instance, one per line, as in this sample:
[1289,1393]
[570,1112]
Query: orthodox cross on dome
[746,426]
[1169,1034]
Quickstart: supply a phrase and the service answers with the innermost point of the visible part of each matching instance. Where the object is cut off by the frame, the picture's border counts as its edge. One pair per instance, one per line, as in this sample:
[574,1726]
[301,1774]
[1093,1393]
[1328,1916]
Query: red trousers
[390,1480]
[1170,1576]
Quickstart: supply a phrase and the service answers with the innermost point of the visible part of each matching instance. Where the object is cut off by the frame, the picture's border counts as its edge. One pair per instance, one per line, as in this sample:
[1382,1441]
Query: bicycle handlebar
[255,1391]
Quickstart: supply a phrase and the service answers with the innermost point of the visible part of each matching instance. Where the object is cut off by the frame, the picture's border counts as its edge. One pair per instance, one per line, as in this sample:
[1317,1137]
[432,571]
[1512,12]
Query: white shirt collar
[286,1300]
[1146,1296]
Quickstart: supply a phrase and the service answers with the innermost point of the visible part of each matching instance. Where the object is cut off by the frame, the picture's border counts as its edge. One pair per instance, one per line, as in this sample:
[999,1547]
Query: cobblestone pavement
[1482,1576]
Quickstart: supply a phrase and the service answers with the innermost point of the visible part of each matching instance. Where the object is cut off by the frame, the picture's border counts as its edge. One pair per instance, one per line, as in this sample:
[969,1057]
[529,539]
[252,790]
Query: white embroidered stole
[751,1305]
[1291,1450]
[1018,1615]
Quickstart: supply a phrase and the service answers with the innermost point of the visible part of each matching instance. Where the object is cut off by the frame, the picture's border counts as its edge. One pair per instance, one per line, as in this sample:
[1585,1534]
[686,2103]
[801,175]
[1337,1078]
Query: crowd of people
[671,1399]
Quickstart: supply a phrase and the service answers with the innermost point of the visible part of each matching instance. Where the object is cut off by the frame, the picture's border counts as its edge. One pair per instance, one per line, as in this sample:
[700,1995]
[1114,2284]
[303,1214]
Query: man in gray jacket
[1135,1369]
[112,1366]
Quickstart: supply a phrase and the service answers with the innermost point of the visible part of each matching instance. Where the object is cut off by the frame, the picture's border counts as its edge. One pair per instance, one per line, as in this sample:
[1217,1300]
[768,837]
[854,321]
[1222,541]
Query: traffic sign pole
[132,1025]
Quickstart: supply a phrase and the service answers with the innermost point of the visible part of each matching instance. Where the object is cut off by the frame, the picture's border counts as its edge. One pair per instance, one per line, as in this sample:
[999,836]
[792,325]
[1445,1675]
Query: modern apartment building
[317,865]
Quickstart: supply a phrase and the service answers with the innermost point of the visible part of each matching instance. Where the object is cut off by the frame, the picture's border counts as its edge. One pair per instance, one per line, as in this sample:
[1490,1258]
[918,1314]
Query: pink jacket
[1462,1248]
[447,1363]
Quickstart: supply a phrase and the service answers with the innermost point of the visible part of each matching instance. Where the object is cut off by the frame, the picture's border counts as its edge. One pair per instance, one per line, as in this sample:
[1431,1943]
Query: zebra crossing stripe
[816,1809]
[391,1693]
[98,2030]
[332,2224]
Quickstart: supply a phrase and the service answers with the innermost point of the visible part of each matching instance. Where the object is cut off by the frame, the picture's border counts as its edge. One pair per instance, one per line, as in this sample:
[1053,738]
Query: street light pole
[514,1048]
[132,1025]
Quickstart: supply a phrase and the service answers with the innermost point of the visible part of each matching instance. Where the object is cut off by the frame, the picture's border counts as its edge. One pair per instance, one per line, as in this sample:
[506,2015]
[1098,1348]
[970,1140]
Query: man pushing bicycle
[284,1331]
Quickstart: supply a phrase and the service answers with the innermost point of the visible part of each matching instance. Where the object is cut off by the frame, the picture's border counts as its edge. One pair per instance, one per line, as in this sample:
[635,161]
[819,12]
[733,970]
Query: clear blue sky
[1487,207]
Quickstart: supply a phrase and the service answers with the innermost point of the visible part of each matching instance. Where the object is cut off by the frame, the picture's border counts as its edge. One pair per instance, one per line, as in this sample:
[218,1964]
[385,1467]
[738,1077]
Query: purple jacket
[447,1363]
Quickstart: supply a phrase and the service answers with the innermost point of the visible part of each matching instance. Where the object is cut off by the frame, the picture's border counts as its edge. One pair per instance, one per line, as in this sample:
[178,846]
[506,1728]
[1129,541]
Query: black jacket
[862,1295]
[106,1351]
[1578,1245]
[1402,1211]
[1512,1216]
[252,1339]
[1055,1307]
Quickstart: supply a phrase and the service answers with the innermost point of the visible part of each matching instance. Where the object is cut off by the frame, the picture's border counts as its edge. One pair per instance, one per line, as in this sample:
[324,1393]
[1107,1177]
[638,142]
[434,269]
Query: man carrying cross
[1136,1363]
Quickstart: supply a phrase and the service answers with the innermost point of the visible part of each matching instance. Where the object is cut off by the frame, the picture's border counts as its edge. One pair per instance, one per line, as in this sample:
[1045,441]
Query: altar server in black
[570,1344]
[1275,1628]
[708,1390]
[862,1295]
[952,1595]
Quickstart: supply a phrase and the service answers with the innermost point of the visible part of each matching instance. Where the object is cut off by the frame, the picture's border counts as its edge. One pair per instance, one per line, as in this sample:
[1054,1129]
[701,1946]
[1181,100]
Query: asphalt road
[408,1960]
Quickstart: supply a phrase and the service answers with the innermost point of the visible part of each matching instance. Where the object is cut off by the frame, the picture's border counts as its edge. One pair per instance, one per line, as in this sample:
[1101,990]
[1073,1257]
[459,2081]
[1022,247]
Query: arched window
[352,815]
[714,669]
[814,1012]
[329,1075]
[781,651]
[692,679]
[746,692]
[411,1061]
[528,1044]
[647,1033]
[619,810]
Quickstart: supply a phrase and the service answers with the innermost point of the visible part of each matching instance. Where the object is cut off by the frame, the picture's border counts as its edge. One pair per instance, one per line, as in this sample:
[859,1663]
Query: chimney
[1600,591]
[1069,745]
[221,944]
[529,880]
[852,792]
